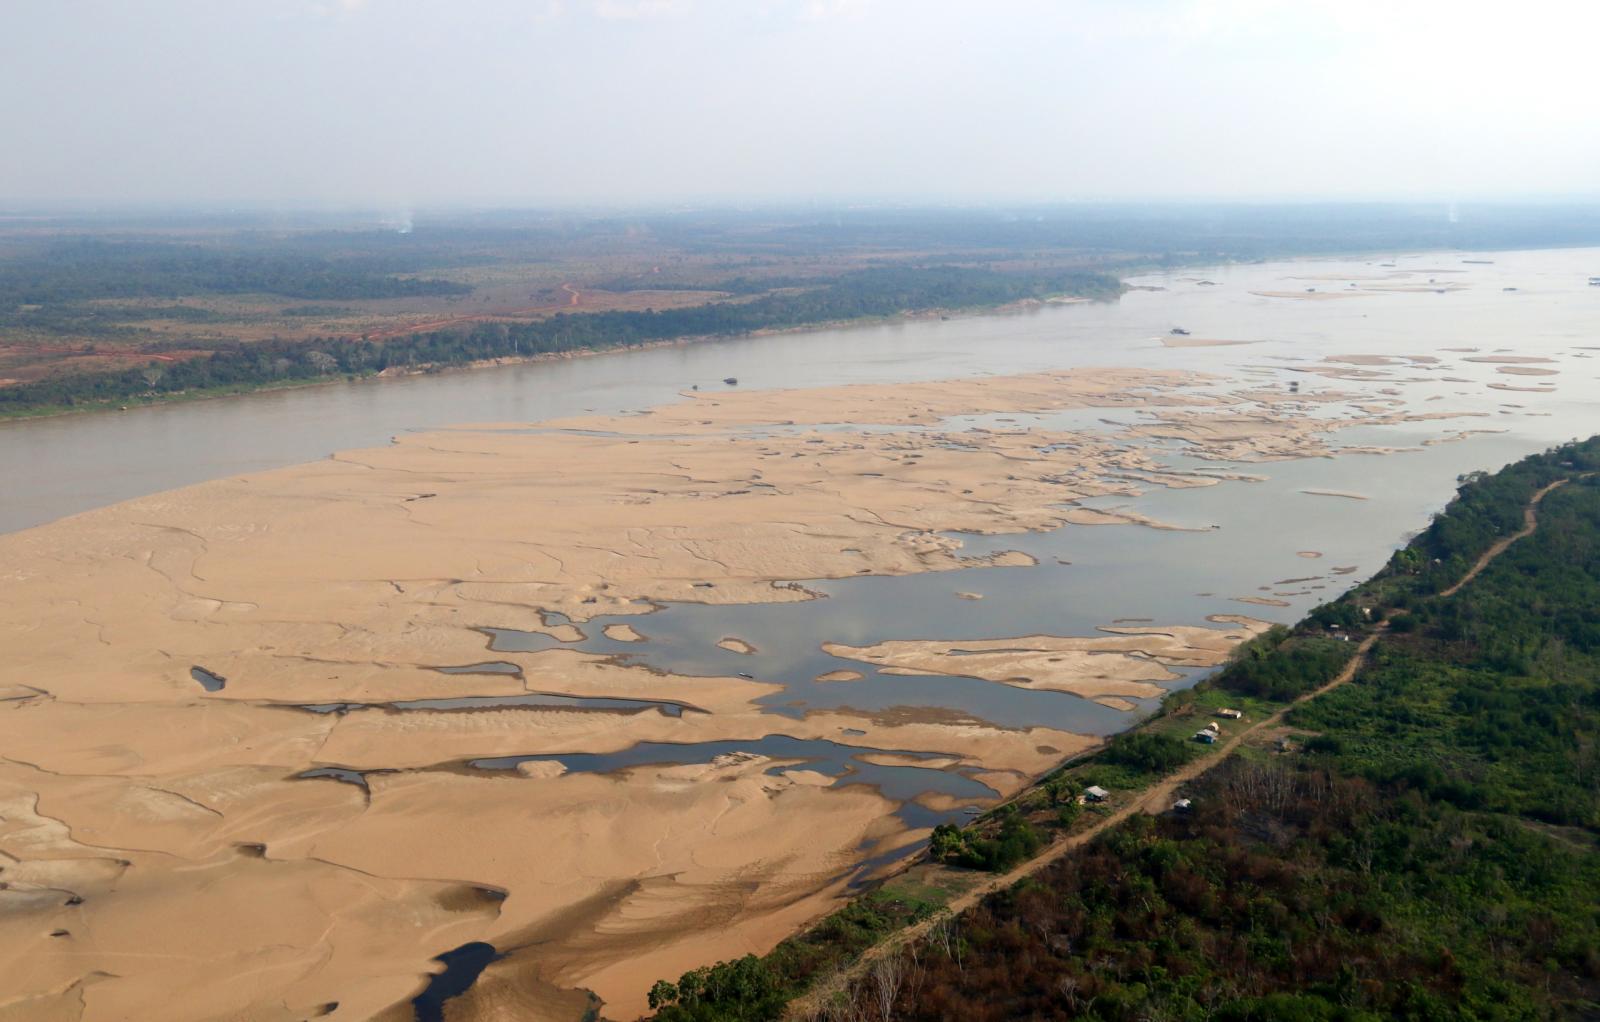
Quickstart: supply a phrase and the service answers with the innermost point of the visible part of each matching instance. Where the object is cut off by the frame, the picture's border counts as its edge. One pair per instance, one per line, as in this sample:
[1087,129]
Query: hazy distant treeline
[46,286]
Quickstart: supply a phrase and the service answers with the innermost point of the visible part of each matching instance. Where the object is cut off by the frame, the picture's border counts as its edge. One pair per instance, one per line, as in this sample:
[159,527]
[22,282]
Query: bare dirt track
[1530,521]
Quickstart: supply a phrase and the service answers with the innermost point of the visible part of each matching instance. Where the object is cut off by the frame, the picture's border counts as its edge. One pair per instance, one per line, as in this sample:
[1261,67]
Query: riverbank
[824,971]
[438,369]
[860,297]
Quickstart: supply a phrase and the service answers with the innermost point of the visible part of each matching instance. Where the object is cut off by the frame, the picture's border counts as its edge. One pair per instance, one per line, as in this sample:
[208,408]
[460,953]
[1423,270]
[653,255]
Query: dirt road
[1530,521]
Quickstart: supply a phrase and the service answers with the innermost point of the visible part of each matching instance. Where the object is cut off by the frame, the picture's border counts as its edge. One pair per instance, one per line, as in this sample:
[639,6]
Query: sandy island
[159,654]
[1131,662]
[1335,493]
[841,675]
[1200,342]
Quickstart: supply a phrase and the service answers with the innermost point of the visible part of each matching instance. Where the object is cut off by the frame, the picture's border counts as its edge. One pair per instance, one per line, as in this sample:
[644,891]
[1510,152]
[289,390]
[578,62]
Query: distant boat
[1594,281]
[1179,331]
[732,381]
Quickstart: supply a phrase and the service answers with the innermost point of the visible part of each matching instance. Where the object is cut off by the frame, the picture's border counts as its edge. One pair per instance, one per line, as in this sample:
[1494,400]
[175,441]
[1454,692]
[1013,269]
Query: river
[63,465]
[1443,334]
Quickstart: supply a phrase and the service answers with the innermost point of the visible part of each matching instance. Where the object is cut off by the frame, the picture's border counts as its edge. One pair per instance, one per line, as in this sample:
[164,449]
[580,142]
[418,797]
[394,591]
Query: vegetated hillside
[867,293]
[1423,843]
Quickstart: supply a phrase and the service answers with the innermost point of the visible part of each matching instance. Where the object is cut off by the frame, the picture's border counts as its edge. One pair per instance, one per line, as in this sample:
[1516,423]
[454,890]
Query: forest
[862,294]
[1420,843]
[49,286]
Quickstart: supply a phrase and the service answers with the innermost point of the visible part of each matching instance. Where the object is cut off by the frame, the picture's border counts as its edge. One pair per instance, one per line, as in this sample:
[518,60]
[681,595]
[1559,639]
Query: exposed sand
[1521,390]
[1200,342]
[1263,436]
[733,645]
[1508,359]
[1382,360]
[1130,662]
[1336,493]
[1527,371]
[1320,296]
[841,676]
[163,826]
[899,759]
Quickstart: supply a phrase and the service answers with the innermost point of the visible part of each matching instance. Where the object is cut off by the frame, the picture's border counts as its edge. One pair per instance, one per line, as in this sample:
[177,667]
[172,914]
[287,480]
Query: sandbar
[149,815]
[1133,661]
[1200,342]
[1335,493]
[841,675]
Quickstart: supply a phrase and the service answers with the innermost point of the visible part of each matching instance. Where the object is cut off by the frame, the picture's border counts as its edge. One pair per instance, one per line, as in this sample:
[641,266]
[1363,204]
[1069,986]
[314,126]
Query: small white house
[1183,805]
[1207,737]
[1095,793]
[1231,714]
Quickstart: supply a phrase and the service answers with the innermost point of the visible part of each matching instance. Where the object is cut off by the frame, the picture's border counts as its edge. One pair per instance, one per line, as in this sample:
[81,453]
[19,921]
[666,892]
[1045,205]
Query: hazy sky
[415,102]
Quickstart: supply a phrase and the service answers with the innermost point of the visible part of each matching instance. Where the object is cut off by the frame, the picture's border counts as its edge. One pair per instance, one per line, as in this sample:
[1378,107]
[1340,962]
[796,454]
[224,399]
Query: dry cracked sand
[162,856]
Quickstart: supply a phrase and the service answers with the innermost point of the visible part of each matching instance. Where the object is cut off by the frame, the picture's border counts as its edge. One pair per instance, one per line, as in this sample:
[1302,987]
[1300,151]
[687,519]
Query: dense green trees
[743,990]
[1015,841]
[1280,666]
[71,272]
[1148,752]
